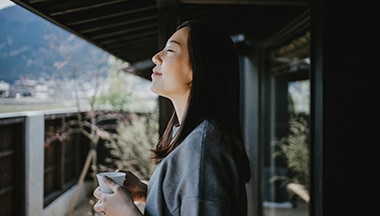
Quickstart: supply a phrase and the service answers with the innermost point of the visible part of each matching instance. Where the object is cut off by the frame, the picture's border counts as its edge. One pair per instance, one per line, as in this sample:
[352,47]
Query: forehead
[180,36]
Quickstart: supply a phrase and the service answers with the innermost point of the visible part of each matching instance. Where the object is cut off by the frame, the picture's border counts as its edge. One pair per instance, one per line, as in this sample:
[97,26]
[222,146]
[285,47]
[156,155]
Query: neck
[180,106]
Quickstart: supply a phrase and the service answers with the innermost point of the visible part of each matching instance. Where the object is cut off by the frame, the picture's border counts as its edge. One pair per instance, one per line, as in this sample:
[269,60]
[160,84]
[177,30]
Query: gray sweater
[198,178]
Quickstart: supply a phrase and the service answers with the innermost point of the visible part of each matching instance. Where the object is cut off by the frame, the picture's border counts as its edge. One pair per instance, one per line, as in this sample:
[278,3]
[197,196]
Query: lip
[155,73]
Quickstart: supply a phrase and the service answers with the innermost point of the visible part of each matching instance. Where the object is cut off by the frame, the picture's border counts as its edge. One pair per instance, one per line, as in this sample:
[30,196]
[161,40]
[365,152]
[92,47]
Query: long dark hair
[215,93]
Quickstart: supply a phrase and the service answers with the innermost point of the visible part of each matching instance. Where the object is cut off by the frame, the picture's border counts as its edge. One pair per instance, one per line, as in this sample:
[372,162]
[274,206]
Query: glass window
[285,123]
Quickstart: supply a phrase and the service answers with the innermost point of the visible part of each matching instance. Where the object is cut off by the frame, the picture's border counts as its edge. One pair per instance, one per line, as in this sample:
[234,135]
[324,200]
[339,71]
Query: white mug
[117,177]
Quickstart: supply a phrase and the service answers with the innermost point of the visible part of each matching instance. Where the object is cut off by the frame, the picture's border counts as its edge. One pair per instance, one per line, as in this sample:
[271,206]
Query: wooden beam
[252,2]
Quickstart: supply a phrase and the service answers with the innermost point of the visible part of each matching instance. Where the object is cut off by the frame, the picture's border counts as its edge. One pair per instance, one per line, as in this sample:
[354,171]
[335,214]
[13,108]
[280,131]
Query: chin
[154,90]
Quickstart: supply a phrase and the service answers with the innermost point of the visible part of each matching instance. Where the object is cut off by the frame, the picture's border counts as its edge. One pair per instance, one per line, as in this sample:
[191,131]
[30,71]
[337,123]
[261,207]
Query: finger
[98,193]
[98,206]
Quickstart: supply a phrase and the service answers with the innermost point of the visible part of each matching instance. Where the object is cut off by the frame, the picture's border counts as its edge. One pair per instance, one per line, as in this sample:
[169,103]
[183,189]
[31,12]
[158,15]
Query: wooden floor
[302,209]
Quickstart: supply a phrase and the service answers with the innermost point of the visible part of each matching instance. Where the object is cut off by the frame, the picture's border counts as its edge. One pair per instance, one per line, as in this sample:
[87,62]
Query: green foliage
[123,92]
[130,150]
[295,149]
[131,122]
[115,95]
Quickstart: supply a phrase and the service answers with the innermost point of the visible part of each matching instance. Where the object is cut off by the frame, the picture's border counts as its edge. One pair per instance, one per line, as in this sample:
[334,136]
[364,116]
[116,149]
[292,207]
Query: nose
[156,59]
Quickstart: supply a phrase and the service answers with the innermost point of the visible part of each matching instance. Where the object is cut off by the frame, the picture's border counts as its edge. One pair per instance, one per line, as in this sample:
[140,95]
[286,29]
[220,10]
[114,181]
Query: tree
[114,112]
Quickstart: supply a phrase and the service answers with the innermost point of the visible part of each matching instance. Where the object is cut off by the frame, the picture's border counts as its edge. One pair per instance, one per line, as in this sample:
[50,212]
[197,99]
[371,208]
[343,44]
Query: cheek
[188,75]
[190,79]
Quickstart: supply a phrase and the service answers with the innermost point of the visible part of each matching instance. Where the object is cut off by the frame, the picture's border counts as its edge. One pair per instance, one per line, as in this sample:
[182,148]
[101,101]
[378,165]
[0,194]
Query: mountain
[33,47]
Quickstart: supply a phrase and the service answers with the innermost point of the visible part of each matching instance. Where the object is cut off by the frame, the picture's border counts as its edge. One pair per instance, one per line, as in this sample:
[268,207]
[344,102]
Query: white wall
[34,163]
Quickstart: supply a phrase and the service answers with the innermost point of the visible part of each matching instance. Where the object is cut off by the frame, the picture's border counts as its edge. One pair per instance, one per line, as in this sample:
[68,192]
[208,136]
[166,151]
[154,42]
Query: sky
[5,3]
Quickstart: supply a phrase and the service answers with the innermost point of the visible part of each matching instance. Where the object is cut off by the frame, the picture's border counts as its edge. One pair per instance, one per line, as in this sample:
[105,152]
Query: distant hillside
[30,46]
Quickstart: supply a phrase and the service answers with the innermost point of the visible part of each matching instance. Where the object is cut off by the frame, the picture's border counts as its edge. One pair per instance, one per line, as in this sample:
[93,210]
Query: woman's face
[172,75]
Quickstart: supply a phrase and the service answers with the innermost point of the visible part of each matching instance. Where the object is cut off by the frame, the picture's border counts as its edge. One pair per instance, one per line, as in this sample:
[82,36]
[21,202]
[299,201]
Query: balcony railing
[38,161]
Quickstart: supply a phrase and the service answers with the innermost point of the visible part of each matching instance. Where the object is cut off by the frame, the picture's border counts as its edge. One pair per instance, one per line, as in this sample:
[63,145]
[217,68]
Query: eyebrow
[174,41]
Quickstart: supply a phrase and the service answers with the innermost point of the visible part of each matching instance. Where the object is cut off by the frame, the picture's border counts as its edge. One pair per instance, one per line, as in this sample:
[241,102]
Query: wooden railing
[38,163]
[42,155]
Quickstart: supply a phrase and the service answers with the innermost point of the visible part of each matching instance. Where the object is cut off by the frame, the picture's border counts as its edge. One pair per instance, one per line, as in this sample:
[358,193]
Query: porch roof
[133,30]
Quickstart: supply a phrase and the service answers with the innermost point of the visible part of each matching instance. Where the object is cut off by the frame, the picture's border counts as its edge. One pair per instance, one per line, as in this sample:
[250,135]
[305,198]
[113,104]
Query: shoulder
[206,130]
[204,136]
[205,145]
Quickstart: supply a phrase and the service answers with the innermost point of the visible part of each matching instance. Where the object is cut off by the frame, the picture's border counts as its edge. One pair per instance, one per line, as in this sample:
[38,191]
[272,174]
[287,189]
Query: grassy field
[9,105]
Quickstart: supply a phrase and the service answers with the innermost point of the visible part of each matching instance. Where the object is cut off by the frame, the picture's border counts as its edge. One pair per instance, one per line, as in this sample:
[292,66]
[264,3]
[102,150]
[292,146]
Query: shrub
[130,150]
[295,149]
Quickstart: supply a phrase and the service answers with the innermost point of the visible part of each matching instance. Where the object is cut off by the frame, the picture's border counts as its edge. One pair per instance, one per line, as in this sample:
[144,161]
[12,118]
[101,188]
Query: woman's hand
[137,188]
[118,203]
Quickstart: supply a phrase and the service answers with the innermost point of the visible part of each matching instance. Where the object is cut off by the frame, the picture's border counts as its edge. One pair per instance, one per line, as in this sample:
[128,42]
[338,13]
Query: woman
[202,166]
